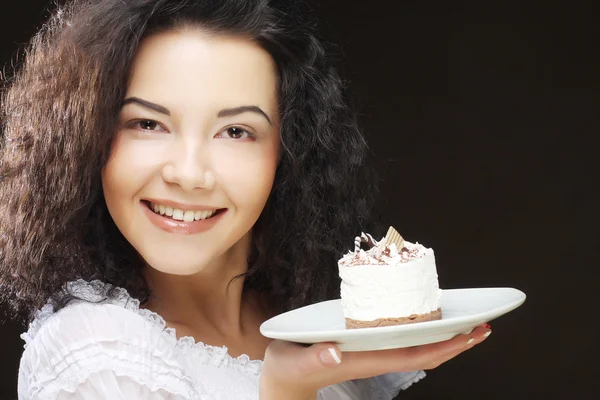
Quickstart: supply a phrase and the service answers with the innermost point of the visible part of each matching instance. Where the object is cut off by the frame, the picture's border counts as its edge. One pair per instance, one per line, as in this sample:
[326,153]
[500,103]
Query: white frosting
[398,289]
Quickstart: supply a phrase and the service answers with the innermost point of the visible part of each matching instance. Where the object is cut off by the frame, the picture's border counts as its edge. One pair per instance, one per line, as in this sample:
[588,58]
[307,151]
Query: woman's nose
[189,167]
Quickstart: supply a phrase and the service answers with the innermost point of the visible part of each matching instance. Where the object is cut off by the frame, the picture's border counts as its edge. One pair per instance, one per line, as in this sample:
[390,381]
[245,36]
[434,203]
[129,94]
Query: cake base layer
[411,319]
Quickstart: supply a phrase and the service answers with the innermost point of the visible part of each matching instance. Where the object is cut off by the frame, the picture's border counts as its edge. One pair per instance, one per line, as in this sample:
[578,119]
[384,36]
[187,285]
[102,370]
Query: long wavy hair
[58,118]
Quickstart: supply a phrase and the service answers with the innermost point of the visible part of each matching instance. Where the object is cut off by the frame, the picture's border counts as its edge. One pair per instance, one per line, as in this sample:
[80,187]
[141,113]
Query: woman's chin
[178,265]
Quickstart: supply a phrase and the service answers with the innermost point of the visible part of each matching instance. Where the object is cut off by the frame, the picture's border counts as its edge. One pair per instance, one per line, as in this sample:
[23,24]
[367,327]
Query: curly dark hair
[58,119]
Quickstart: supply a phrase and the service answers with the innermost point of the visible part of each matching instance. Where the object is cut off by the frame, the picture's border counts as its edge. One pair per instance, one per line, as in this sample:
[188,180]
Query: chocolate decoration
[364,238]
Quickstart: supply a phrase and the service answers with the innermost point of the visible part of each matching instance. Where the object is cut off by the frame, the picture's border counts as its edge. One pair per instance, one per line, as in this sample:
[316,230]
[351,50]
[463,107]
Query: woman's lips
[170,225]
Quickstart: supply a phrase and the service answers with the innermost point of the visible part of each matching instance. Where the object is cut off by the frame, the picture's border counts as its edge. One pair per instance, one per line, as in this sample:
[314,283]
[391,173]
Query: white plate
[462,310]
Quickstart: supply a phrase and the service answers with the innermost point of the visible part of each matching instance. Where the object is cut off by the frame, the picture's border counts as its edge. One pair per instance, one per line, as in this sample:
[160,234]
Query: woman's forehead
[191,68]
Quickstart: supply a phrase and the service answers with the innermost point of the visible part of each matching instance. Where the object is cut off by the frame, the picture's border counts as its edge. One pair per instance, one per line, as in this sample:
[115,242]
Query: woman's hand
[293,371]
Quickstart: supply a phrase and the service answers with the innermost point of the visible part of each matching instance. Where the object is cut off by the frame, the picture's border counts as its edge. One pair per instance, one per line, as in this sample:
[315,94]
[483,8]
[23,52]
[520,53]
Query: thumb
[329,354]
[318,357]
[300,368]
[300,360]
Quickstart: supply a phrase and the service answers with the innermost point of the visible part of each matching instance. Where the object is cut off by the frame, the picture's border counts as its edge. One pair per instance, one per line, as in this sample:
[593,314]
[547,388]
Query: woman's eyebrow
[223,113]
[242,109]
[147,104]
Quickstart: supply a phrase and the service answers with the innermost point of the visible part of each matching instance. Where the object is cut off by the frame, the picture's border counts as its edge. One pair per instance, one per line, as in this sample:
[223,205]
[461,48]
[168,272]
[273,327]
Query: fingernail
[470,341]
[329,356]
[487,326]
[487,334]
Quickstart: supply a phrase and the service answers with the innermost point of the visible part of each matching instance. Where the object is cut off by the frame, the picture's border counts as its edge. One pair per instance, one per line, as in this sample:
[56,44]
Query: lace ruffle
[95,291]
[76,366]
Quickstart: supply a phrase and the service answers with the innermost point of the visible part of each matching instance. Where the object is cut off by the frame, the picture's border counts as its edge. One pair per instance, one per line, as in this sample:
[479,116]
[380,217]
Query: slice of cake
[394,282]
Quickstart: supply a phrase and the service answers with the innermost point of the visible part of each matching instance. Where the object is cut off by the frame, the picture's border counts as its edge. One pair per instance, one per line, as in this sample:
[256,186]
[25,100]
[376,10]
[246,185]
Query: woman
[174,173]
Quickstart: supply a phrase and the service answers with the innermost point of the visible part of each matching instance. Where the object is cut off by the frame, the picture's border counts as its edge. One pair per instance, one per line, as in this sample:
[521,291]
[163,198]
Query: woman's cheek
[142,154]
[247,177]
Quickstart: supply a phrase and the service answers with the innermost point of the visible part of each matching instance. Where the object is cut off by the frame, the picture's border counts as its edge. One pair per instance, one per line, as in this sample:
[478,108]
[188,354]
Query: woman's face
[196,149]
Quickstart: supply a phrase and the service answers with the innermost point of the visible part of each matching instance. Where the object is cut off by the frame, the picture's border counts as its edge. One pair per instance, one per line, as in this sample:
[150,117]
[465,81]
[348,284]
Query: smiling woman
[174,173]
[194,138]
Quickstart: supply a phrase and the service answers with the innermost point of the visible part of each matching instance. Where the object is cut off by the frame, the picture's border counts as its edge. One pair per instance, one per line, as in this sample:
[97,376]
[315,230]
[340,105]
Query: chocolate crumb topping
[380,253]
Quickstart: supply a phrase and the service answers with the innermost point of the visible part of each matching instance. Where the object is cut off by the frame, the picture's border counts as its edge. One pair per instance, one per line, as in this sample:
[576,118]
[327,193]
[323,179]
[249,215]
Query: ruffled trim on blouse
[95,292]
[72,369]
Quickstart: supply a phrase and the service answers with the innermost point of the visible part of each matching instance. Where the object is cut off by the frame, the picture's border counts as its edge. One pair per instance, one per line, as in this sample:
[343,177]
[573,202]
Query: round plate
[462,310]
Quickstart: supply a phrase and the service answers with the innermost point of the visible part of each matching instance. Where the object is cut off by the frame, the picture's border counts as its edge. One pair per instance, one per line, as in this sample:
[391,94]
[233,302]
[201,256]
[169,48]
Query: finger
[475,337]
[319,357]
[452,348]
[301,361]
[369,363]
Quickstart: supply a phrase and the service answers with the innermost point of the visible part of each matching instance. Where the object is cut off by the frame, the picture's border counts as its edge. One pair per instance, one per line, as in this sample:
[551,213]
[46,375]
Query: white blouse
[109,348]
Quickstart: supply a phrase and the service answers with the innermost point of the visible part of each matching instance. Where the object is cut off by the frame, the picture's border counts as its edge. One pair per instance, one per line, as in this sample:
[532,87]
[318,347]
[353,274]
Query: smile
[179,220]
[181,215]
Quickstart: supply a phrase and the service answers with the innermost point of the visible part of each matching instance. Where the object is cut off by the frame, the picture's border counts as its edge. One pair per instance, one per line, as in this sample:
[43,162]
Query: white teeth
[204,214]
[188,216]
[181,215]
[178,214]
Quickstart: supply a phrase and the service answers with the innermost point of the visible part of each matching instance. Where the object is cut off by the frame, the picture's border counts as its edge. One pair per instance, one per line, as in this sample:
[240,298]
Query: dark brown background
[481,118]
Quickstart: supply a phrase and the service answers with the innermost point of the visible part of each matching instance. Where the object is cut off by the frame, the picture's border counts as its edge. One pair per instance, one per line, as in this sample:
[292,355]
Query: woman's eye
[236,133]
[147,125]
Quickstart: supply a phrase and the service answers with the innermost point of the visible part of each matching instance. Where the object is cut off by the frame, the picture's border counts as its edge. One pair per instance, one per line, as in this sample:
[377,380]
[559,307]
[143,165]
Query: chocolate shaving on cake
[380,252]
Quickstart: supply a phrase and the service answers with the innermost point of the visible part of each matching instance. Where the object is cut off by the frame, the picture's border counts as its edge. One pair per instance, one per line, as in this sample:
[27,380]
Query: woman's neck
[213,299]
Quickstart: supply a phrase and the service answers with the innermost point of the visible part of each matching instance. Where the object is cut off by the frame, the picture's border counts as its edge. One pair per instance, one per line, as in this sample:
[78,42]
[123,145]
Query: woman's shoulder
[96,339]
[91,313]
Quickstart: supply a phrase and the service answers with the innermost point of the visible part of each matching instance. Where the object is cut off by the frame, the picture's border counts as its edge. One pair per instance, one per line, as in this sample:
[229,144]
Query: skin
[295,372]
[192,156]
